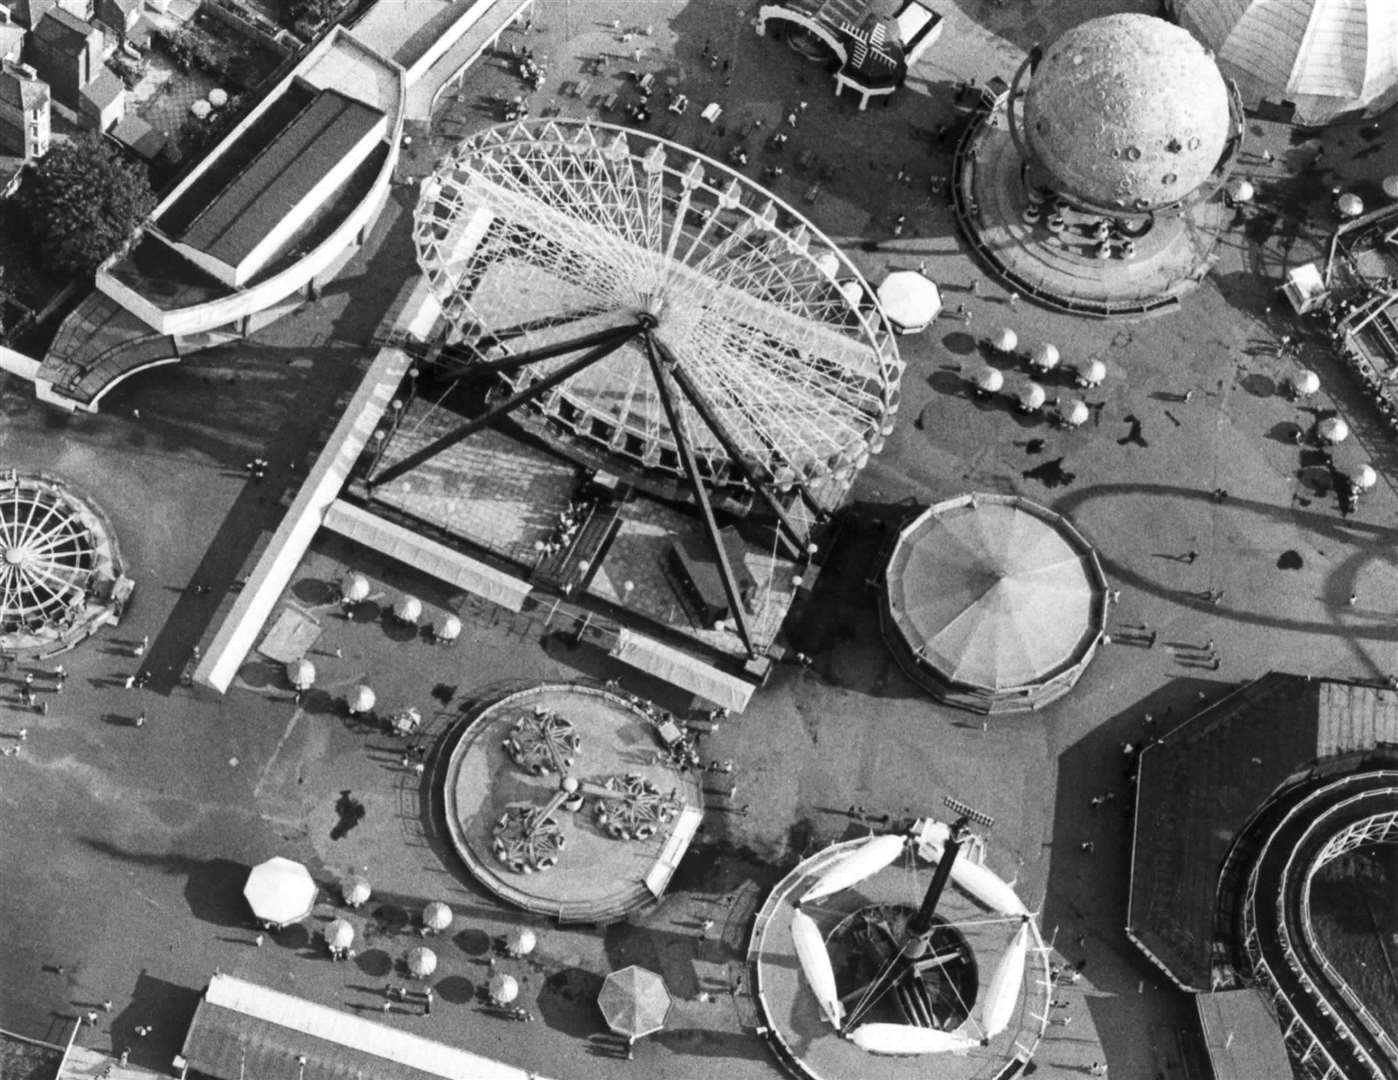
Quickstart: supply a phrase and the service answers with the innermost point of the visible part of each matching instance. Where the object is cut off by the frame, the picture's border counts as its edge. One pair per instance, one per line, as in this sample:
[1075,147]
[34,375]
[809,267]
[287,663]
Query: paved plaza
[126,847]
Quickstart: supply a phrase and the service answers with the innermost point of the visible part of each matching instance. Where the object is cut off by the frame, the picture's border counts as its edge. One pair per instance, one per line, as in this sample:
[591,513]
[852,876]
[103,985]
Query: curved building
[1319,60]
[1126,112]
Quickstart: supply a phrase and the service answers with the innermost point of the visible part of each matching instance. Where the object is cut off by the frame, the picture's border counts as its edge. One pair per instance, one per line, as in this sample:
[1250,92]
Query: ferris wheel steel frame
[720,320]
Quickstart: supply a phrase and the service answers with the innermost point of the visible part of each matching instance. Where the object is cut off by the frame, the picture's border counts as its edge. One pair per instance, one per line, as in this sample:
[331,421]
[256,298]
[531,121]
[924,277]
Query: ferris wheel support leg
[794,539]
[514,401]
[701,496]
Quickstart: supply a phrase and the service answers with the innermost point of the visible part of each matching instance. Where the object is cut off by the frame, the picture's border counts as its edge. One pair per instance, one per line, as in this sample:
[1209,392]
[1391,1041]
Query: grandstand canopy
[1326,58]
[993,602]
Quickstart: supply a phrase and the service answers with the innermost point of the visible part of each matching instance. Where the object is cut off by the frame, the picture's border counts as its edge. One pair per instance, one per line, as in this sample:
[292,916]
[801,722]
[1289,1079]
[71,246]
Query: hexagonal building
[1126,113]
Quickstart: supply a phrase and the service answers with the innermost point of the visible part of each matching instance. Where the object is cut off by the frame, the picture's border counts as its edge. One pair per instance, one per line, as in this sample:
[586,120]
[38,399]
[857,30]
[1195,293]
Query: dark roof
[21,92]
[63,30]
[1196,789]
[1242,1037]
[134,132]
[231,224]
[104,89]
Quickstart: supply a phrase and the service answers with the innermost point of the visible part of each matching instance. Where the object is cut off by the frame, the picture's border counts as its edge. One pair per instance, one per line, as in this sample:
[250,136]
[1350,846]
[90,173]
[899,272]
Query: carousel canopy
[634,1002]
[1328,58]
[910,300]
[994,592]
[280,891]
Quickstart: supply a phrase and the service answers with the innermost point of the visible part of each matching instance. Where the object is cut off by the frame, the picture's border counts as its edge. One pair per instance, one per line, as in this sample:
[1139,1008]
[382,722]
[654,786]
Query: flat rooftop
[229,222]
[403,30]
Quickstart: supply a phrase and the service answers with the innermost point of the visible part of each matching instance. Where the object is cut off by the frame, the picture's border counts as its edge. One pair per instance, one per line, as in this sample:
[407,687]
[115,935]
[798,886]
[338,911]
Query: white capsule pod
[864,862]
[815,964]
[1003,992]
[904,1039]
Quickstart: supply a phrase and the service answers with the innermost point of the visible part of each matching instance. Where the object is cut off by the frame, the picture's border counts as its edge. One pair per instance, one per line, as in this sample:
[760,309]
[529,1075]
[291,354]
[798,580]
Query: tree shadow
[567,1001]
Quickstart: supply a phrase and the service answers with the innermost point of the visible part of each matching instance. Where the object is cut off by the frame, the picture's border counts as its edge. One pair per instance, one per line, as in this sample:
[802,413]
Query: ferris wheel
[50,552]
[655,303]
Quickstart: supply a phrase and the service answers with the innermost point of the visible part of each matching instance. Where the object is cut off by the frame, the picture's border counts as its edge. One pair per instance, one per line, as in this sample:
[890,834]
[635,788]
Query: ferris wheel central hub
[14,556]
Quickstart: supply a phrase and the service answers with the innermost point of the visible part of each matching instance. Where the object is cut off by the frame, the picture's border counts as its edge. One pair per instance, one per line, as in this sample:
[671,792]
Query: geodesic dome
[580,236]
[1327,58]
[1126,112]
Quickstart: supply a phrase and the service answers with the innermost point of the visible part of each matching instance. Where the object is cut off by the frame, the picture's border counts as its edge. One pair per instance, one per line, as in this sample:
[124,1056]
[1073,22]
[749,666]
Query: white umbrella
[1044,356]
[1241,191]
[1003,994]
[361,700]
[852,291]
[280,892]
[201,109]
[436,916]
[355,890]
[218,97]
[1005,340]
[422,962]
[354,587]
[1306,382]
[446,628]
[828,263]
[1333,430]
[910,300]
[1364,477]
[1390,186]
[408,608]
[301,674]
[1075,413]
[520,941]
[864,862]
[503,988]
[989,379]
[1092,373]
[339,935]
[1032,397]
[1350,205]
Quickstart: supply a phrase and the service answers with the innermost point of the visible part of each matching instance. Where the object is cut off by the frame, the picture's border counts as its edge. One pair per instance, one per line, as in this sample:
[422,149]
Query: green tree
[83,202]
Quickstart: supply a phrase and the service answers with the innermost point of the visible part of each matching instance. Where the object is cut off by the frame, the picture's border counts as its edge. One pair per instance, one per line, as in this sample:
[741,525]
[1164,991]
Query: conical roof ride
[993,603]
[1328,58]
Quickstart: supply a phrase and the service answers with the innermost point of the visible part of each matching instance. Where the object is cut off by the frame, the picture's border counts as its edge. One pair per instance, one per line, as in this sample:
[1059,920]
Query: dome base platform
[1061,270]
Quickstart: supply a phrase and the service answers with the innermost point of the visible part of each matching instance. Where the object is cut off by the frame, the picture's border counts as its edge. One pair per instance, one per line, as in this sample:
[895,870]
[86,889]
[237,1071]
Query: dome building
[1126,113]
[1321,60]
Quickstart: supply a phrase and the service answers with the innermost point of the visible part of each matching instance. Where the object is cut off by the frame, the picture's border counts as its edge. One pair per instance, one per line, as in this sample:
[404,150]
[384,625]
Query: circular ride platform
[61,574]
[791,1016]
[594,857]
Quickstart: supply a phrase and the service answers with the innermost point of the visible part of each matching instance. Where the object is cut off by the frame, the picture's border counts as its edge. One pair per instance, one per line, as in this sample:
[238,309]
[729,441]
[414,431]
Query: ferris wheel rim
[830,416]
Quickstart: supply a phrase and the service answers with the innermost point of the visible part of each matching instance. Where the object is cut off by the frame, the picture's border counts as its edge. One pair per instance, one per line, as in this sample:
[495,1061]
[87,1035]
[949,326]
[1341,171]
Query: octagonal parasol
[1031,397]
[422,962]
[354,588]
[361,700]
[280,892]
[989,380]
[503,988]
[339,934]
[1306,383]
[1333,429]
[437,916]
[1241,190]
[1390,186]
[910,301]
[996,599]
[1044,356]
[218,97]
[355,890]
[1349,205]
[446,627]
[1004,340]
[1092,373]
[1076,413]
[634,1002]
[301,674]
[408,608]
[520,941]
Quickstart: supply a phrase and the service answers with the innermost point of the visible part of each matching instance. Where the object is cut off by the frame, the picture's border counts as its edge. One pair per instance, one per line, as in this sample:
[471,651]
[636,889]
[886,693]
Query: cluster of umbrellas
[1030,396]
[280,891]
[355,589]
